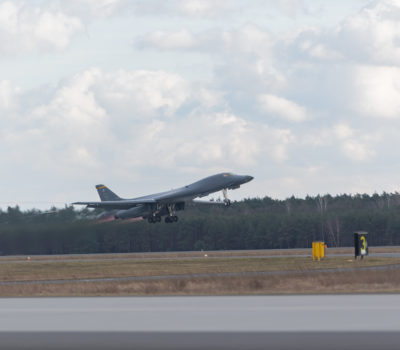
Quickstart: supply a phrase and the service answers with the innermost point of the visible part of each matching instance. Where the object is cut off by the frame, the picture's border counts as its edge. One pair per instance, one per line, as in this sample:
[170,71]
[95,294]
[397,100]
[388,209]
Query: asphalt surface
[247,322]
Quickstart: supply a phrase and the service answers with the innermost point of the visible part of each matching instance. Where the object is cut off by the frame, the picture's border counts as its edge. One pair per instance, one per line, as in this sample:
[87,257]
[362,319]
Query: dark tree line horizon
[254,223]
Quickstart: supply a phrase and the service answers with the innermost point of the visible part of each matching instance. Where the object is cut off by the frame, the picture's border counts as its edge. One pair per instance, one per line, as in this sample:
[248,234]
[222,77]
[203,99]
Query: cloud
[247,60]
[249,39]
[202,8]
[372,35]
[142,94]
[220,140]
[343,131]
[90,9]
[25,29]
[355,145]
[124,122]
[9,95]
[377,91]
[282,108]
[291,8]
[356,150]
[319,51]
[321,103]
[162,40]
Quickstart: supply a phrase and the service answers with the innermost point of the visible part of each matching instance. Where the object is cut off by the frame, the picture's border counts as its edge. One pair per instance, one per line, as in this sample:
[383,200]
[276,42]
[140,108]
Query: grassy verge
[123,268]
[195,254]
[304,283]
[298,278]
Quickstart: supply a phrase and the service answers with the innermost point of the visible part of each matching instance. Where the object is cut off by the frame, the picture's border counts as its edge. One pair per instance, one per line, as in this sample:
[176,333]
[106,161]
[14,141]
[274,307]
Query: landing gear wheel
[154,219]
[227,202]
[170,219]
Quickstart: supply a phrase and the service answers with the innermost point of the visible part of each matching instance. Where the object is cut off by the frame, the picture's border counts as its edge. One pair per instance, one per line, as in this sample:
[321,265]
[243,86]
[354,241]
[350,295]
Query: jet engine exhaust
[107,219]
[135,212]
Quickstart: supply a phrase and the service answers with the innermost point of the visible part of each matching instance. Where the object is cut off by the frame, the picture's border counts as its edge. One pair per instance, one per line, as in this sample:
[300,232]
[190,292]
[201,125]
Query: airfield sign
[360,244]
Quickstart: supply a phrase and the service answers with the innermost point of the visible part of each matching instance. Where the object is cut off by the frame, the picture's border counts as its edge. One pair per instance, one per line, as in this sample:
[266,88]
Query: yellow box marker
[318,250]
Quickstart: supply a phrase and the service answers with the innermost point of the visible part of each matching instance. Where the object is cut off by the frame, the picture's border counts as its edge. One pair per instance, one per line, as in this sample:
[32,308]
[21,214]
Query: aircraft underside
[152,212]
[165,209]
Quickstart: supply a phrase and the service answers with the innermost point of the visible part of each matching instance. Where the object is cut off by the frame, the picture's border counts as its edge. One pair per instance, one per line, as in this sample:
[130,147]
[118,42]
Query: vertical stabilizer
[106,194]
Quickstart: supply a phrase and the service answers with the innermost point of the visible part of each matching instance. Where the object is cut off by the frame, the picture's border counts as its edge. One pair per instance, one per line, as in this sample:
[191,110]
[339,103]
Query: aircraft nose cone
[248,178]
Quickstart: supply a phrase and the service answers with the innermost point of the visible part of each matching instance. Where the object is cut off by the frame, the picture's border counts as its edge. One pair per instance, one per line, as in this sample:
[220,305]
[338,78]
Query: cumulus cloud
[377,91]
[26,29]
[319,51]
[74,106]
[354,144]
[247,54]
[208,140]
[356,150]
[282,108]
[373,34]
[129,121]
[278,104]
[138,94]
[249,39]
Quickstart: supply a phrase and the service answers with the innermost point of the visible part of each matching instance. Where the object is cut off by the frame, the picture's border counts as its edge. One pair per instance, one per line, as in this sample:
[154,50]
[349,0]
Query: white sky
[150,95]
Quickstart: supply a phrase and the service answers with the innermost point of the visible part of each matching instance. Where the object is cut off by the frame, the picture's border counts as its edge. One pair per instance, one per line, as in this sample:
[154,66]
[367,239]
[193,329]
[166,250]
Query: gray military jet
[154,206]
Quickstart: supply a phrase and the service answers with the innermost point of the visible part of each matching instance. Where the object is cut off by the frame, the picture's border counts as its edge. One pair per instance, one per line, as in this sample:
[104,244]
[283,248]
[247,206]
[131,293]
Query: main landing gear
[170,219]
[154,219]
[171,214]
[226,199]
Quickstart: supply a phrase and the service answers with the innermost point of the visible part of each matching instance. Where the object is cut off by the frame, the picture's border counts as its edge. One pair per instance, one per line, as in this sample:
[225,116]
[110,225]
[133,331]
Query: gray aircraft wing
[122,204]
[199,201]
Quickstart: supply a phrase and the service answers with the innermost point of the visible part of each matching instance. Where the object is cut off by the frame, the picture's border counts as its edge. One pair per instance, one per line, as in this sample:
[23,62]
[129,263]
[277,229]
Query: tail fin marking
[106,194]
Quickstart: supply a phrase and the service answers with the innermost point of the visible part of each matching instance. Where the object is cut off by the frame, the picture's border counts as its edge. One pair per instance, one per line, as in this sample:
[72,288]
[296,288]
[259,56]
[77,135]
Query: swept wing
[122,204]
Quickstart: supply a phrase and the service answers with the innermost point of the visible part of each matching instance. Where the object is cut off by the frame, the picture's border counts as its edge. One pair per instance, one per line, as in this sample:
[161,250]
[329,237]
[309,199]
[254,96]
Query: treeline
[249,224]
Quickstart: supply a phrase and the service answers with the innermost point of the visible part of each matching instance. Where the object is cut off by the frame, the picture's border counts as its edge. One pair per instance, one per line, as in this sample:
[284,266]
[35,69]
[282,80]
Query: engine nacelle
[140,210]
[106,214]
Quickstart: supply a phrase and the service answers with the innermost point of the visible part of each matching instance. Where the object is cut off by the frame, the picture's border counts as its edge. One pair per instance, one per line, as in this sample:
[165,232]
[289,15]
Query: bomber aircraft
[153,207]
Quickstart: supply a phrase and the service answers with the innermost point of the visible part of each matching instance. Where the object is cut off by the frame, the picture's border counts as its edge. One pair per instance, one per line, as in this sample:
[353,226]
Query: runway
[237,322]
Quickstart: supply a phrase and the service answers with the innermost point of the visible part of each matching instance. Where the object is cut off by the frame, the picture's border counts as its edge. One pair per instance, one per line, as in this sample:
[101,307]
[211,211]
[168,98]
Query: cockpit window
[228,174]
